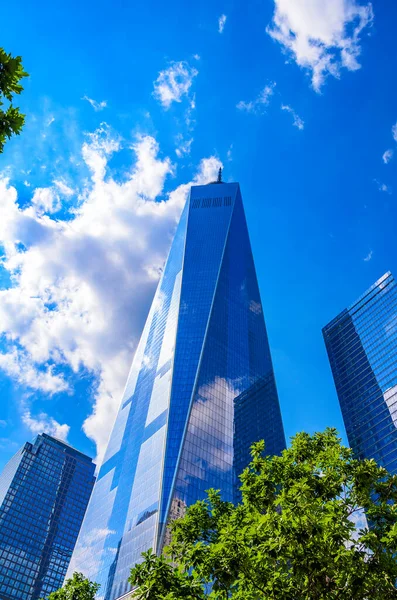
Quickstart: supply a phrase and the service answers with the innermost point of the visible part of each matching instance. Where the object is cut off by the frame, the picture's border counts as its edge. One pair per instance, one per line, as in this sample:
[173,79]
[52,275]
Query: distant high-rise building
[201,389]
[362,348]
[44,492]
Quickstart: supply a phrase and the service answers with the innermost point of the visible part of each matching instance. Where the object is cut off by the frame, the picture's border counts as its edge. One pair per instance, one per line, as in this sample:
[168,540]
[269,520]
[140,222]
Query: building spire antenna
[219,179]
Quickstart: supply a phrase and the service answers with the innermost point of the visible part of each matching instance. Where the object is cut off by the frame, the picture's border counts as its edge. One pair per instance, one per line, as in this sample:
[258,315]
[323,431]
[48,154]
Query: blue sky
[129,104]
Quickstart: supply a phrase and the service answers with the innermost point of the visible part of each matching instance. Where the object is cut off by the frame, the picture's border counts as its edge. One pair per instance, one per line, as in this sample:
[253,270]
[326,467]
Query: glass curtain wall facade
[204,349]
[44,492]
[362,348]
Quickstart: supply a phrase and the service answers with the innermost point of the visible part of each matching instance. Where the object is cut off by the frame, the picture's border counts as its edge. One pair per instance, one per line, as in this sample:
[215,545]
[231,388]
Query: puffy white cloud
[298,121]
[45,424]
[45,200]
[95,105]
[221,23]
[174,83]
[387,156]
[19,366]
[82,283]
[322,36]
[255,106]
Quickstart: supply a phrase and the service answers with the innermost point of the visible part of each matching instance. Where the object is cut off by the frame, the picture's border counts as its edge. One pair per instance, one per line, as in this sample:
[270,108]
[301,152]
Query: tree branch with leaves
[11,74]
[77,587]
[292,537]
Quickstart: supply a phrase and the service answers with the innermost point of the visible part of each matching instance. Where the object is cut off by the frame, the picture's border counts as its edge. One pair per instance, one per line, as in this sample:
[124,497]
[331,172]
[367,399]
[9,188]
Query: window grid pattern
[114,534]
[362,348]
[203,344]
[216,202]
[235,359]
[206,238]
[40,516]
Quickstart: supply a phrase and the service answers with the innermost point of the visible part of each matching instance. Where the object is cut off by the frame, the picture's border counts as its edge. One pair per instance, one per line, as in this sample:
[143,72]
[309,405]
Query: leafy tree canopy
[76,588]
[11,73]
[293,537]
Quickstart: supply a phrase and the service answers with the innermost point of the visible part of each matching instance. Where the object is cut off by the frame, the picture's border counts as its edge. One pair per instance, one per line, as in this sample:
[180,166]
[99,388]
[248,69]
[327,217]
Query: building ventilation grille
[214,202]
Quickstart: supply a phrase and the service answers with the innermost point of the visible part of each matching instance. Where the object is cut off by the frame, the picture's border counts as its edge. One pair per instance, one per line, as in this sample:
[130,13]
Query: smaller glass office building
[44,492]
[362,349]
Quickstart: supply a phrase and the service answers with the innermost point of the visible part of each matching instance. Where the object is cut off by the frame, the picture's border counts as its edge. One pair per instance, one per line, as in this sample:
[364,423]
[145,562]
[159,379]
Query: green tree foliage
[293,537]
[11,73]
[76,588]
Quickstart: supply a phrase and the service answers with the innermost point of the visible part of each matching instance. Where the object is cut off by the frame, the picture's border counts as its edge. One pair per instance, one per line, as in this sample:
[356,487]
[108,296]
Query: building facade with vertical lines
[44,492]
[362,348]
[201,377]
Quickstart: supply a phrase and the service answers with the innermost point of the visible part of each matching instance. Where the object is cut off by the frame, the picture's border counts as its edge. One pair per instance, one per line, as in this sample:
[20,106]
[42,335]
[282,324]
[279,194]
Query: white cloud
[255,106]
[45,200]
[82,284]
[387,156]
[184,146]
[48,199]
[369,256]
[63,188]
[196,56]
[45,424]
[17,363]
[322,36]
[97,106]
[298,121]
[221,23]
[383,187]
[174,83]
[394,132]
[189,119]
[3,423]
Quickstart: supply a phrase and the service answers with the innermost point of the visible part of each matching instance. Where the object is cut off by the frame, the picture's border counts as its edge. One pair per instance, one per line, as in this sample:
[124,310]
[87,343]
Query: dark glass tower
[44,492]
[201,389]
[362,348]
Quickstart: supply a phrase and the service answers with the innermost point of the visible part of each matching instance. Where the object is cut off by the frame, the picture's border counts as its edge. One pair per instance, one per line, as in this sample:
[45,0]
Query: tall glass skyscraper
[201,389]
[362,349]
[44,492]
